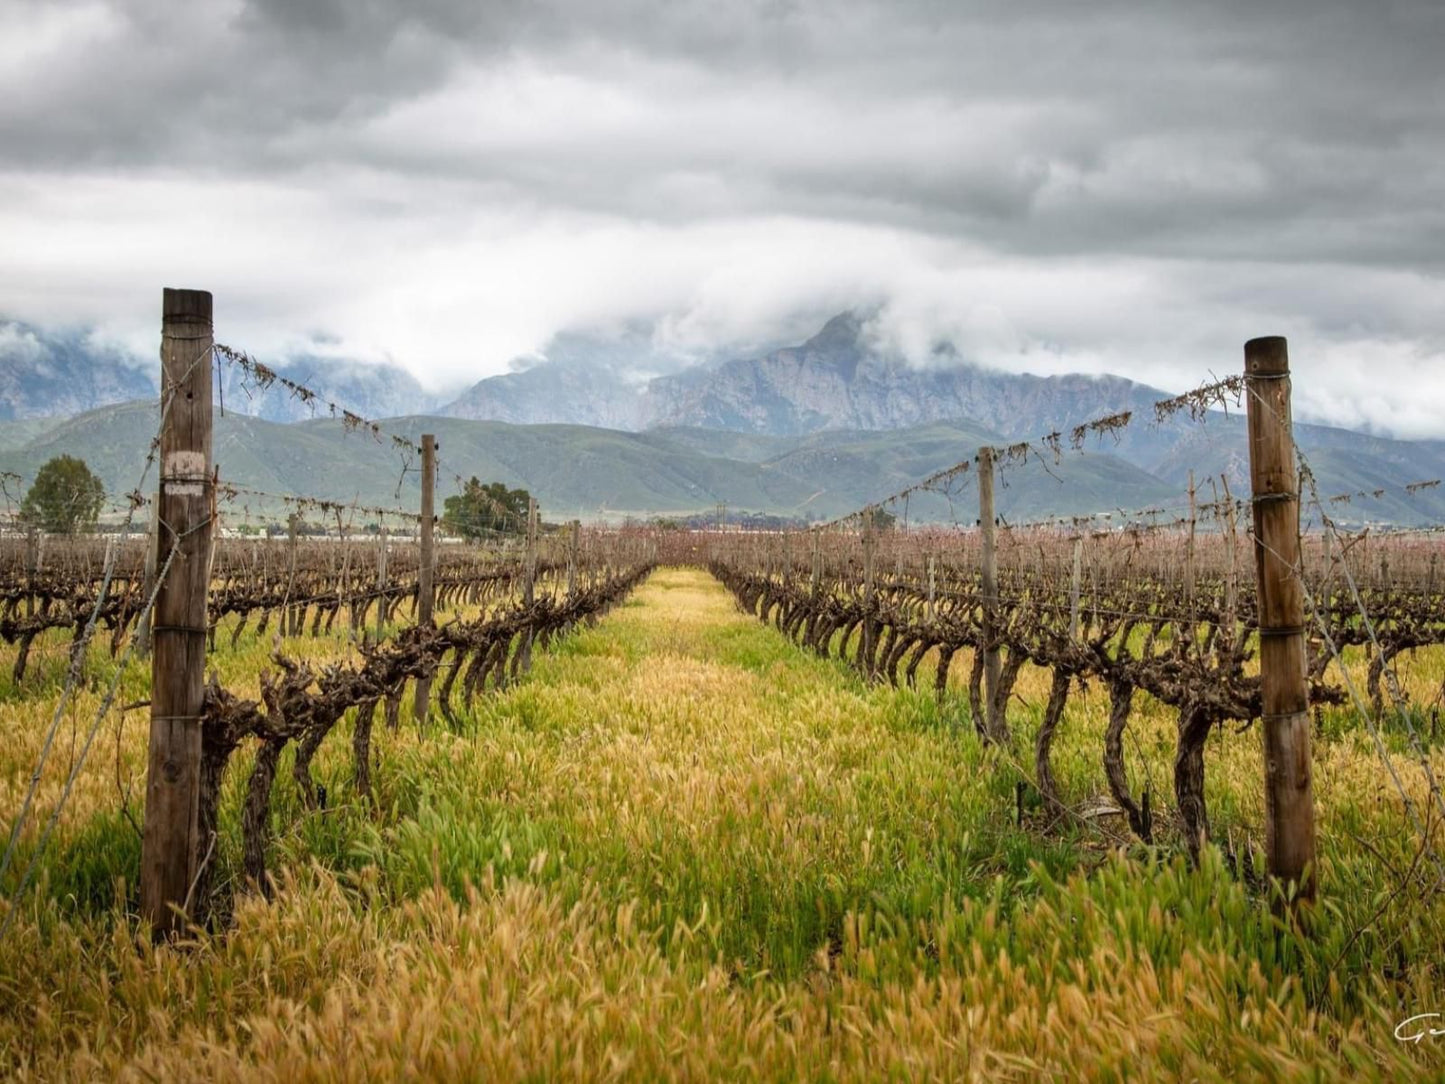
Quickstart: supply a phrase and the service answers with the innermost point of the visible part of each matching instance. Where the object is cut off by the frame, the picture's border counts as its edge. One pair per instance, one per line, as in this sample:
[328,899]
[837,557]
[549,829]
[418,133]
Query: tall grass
[684,848]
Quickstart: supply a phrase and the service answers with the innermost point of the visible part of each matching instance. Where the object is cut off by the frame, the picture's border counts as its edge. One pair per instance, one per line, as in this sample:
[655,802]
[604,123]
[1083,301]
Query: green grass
[685,848]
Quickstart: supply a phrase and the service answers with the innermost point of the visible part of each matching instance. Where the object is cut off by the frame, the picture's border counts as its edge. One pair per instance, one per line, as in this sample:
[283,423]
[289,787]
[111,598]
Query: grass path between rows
[684,848]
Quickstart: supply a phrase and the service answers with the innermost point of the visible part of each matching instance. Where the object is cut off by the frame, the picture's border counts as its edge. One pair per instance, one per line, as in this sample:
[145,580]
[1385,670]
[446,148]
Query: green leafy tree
[882,521]
[480,510]
[64,498]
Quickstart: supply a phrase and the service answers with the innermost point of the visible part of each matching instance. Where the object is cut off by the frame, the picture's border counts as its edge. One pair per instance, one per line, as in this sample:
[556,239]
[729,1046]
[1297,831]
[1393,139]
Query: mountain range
[57,374]
[811,430]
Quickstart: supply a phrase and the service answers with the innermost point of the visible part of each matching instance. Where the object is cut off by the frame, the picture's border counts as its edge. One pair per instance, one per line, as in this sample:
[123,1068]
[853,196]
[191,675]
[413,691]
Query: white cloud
[446,186]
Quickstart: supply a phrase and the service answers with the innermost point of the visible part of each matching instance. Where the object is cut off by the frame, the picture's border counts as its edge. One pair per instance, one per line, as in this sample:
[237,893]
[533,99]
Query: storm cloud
[1050,186]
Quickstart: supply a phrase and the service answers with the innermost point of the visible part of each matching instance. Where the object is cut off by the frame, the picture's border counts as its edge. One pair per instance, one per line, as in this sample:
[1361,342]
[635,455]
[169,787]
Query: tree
[64,498]
[882,521]
[480,510]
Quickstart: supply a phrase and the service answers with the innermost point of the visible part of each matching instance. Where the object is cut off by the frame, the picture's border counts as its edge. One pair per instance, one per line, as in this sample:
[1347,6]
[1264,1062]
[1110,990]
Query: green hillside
[597,473]
[16,433]
[1343,461]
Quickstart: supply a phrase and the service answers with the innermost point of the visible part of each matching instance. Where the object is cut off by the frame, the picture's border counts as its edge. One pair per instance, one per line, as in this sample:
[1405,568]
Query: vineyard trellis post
[289,621]
[343,583]
[171,850]
[32,567]
[529,583]
[574,530]
[425,597]
[1189,548]
[816,583]
[381,606]
[870,545]
[1075,584]
[1284,689]
[993,723]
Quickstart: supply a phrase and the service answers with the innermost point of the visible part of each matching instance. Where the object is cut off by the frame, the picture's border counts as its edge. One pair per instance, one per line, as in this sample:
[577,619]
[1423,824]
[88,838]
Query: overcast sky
[1098,186]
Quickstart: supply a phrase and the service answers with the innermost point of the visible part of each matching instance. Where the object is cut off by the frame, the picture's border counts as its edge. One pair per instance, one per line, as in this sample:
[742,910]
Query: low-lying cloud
[446,185]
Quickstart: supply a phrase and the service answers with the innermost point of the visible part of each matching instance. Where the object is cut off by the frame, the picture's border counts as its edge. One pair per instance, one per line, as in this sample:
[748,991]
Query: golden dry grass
[685,849]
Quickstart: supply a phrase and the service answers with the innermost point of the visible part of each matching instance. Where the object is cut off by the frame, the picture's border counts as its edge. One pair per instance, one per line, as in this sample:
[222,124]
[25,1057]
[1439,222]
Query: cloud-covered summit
[446,185]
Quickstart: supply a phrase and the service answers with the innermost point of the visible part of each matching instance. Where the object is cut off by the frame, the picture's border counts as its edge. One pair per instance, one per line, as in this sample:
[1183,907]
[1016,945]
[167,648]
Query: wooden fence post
[815,585]
[172,854]
[1231,559]
[994,725]
[870,545]
[1274,482]
[381,600]
[32,567]
[343,590]
[529,582]
[290,623]
[1075,584]
[1189,548]
[425,590]
[572,546]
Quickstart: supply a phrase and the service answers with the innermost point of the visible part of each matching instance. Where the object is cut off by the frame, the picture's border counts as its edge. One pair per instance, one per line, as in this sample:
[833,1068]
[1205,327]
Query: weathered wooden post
[932,587]
[1231,559]
[869,632]
[1075,584]
[1189,548]
[1274,481]
[529,582]
[172,854]
[573,534]
[32,568]
[290,623]
[343,590]
[994,725]
[381,606]
[425,591]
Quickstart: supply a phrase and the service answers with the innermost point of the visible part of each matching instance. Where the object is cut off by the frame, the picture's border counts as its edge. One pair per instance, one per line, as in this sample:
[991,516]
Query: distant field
[604,475]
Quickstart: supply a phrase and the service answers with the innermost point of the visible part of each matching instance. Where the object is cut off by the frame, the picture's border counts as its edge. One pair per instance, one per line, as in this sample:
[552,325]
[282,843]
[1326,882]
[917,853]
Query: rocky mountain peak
[839,344]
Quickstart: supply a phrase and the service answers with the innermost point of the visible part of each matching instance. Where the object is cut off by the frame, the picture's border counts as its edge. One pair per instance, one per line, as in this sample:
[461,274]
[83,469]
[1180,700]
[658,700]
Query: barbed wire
[72,676]
[1050,446]
[77,654]
[231,491]
[75,769]
[1206,511]
[265,377]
